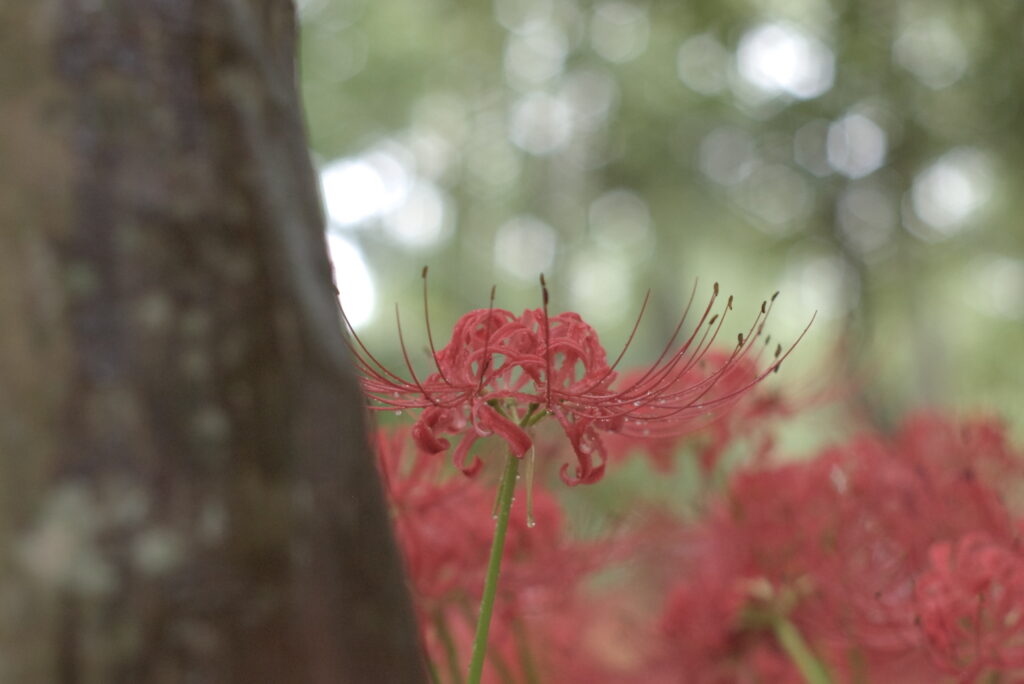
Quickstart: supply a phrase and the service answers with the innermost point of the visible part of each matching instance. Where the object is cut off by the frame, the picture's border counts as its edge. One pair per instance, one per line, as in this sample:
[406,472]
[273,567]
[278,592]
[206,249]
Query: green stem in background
[531,461]
[432,671]
[858,667]
[812,669]
[502,668]
[525,656]
[503,512]
[451,654]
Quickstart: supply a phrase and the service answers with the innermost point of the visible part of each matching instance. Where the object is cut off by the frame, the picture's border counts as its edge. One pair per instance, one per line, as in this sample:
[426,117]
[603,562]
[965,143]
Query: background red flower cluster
[885,556]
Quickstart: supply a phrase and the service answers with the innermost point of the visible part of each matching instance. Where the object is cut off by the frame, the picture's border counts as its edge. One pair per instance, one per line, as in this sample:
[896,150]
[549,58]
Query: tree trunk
[186,490]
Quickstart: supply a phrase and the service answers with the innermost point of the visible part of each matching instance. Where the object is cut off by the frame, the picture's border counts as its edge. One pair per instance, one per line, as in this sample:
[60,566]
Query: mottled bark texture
[186,491]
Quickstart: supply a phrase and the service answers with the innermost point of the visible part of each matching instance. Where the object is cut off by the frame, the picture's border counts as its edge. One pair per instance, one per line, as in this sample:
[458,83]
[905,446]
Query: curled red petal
[462,451]
[424,432]
[585,443]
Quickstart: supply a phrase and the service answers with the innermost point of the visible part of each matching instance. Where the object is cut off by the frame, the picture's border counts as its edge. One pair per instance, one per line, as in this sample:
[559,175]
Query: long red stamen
[430,336]
[629,341]
[656,367]
[383,369]
[408,362]
[485,360]
[547,340]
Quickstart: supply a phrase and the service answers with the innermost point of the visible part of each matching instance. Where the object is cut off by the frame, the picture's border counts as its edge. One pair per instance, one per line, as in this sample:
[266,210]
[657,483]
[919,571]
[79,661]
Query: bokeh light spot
[866,217]
[516,15]
[856,146]
[620,219]
[421,221]
[356,291]
[619,31]
[825,283]
[541,123]
[932,51]
[591,94]
[777,195]
[356,190]
[702,63]
[997,286]
[525,247]
[601,287]
[726,155]
[949,192]
[781,58]
[537,55]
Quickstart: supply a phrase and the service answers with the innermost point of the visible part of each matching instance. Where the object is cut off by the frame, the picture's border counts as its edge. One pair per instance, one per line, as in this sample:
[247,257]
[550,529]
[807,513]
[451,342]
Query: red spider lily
[848,538]
[971,606]
[501,373]
[936,480]
[714,628]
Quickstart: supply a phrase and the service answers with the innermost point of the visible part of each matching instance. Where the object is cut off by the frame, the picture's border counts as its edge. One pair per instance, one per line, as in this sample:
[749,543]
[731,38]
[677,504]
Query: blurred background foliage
[862,157]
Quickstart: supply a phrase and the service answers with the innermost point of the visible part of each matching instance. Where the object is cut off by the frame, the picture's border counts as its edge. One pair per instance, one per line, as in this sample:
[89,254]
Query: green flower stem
[432,671]
[812,669]
[529,666]
[483,625]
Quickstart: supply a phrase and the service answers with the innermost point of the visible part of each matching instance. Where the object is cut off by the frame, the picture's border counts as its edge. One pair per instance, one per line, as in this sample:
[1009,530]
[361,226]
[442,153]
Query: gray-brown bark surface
[186,491]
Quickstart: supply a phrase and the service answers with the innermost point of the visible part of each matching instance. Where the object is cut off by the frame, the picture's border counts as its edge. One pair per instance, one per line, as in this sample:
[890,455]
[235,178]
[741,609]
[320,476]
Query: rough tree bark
[186,492]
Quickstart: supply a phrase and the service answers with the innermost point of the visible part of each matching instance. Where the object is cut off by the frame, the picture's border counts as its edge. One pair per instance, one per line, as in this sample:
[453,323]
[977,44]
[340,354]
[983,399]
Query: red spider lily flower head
[501,373]
[716,626]
[970,604]
[850,535]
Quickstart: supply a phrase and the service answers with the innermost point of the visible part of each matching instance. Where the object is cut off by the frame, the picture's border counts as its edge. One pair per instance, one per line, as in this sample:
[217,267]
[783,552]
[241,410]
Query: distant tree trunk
[186,490]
